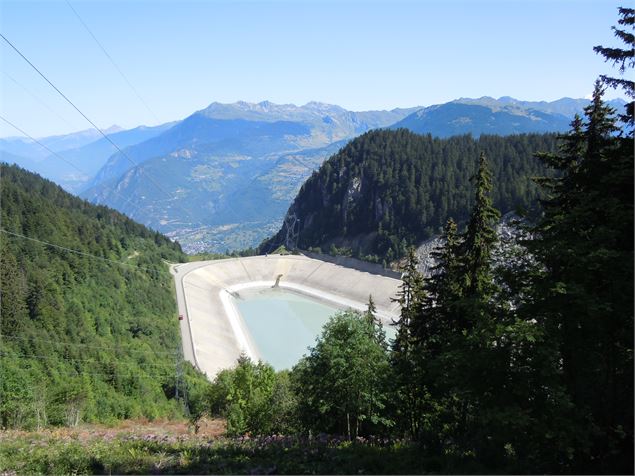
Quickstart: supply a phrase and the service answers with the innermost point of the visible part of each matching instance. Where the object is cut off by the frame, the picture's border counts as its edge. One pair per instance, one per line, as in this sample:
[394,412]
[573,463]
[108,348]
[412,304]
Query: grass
[135,450]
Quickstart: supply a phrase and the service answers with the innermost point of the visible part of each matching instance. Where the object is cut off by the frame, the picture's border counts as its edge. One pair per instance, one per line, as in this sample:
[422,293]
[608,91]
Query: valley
[405,277]
[223,178]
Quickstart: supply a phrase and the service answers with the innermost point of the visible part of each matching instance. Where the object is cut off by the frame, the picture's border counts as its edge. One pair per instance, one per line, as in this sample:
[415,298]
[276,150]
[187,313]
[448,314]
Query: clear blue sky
[183,55]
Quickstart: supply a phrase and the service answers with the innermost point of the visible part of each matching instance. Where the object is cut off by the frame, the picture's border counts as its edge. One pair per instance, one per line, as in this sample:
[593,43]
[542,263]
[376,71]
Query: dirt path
[209,429]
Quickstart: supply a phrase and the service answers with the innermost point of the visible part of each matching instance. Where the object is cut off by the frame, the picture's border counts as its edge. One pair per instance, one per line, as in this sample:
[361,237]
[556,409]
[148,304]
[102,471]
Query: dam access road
[213,332]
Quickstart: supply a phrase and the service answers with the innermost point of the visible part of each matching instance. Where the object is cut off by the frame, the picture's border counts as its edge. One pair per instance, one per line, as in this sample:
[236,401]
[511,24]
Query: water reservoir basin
[283,323]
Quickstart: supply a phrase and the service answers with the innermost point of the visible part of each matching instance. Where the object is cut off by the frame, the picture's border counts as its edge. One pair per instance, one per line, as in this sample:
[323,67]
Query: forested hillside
[234,167]
[84,338]
[388,189]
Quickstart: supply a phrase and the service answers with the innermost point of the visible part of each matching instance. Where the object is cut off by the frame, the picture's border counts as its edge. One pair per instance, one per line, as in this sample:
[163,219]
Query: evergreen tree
[387,190]
[432,335]
[370,315]
[403,358]
[480,236]
[624,59]
[444,288]
[462,357]
[472,320]
[477,247]
[585,294]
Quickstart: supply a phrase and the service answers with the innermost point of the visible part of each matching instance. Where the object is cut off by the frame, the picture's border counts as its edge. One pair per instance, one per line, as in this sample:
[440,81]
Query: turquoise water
[283,324]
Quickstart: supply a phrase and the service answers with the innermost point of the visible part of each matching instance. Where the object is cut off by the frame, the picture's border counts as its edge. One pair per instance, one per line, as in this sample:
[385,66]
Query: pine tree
[624,59]
[475,377]
[375,323]
[433,330]
[480,237]
[371,309]
[460,371]
[410,298]
[585,294]
[443,289]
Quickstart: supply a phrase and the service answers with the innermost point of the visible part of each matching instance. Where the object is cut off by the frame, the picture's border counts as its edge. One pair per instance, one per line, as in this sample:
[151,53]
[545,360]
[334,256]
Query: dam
[270,307]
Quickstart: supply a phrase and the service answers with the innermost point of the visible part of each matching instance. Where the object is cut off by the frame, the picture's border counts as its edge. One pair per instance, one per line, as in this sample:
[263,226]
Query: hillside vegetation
[499,350]
[389,189]
[233,167]
[242,164]
[84,338]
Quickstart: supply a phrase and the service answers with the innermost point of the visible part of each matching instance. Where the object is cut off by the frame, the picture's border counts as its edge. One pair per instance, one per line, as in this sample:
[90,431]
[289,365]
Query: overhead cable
[36,98]
[91,346]
[135,164]
[52,152]
[125,78]
[83,253]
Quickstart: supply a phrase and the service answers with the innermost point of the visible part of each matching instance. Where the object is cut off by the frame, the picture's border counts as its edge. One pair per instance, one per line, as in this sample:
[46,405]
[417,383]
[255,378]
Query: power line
[52,111]
[113,62]
[68,344]
[100,131]
[89,121]
[70,359]
[58,91]
[115,373]
[125,78]
[83,253]
[52,152]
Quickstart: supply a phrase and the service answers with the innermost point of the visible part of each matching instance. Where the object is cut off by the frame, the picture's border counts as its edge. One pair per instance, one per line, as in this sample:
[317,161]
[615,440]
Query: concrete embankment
[214,334]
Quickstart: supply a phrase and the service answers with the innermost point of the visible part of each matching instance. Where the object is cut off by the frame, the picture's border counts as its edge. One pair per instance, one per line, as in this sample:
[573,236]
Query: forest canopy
[90,334]
[386,190]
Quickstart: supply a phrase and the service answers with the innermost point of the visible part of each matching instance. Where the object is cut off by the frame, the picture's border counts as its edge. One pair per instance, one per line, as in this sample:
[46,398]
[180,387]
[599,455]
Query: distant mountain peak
[266,104]
[323,106]
[487,115]
[565,106]
[220,110]
[114,128]
[265,109]
[268,111]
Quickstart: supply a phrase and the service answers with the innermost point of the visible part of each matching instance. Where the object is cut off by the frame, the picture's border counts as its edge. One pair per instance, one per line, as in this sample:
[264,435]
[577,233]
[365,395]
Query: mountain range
[227,173]
[503,116]
[85,153]
[223,177]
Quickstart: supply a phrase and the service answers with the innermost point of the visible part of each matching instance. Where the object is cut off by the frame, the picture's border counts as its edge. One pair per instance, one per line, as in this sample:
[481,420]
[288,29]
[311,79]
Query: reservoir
[283,323]
[231,308]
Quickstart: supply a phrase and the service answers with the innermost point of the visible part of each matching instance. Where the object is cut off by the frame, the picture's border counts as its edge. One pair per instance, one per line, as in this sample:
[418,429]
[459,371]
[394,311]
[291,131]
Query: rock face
[228,172]
[389,189]
[507,231]
[424,254]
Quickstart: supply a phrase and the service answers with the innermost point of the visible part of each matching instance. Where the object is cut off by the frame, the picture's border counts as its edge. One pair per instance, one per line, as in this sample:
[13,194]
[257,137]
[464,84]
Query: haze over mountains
[233,167]
[501,116]
[224,177]
[87,151]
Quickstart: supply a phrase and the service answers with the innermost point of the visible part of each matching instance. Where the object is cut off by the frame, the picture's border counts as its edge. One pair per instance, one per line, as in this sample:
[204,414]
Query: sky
[362,55]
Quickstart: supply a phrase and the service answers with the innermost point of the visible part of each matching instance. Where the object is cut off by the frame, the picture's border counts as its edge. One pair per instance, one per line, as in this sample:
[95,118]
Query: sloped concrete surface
[213,332]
